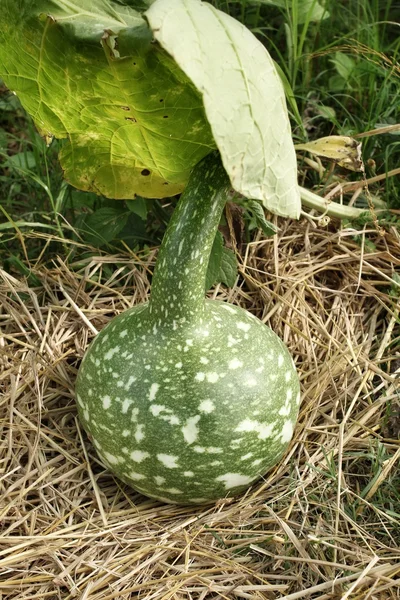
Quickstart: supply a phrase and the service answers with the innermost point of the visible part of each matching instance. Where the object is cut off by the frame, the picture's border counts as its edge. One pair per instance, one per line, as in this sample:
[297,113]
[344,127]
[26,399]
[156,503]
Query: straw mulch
[317,526]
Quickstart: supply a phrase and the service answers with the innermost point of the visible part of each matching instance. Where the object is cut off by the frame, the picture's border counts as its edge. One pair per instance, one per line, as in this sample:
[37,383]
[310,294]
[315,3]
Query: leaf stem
[330,208]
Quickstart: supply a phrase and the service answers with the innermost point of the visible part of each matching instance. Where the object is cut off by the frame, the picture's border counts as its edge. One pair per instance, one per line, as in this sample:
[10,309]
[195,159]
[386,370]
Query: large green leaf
[242,94]
[88,72]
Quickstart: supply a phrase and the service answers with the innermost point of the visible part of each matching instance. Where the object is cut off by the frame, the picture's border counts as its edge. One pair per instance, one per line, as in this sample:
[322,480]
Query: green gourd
[185,399]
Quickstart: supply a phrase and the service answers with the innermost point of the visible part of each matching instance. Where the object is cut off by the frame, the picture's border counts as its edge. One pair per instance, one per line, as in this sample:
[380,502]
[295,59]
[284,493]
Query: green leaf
[345,65]
[228,269]
[81,199]
[87,71]
[22,160]
[3,140]
[103,225]
[257,211]
[214,265]
[222,267]
[243,98]
[138,206]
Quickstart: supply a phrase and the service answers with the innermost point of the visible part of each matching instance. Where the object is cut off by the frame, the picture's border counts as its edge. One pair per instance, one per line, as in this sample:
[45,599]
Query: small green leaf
[3,140]
[345,65]
[228,269]
[138,206]
[22,160]
[103,225]
[257,211]
[222,267]
[10,104]
[81,199]
[214,264]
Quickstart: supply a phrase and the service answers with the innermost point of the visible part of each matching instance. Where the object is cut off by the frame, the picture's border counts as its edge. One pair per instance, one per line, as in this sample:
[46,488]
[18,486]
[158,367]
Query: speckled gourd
[186,399]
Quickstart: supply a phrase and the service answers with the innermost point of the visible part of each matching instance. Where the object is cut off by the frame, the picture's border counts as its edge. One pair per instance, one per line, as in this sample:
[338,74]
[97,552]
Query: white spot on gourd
[188,473]
[281,360]
[153,391]
[287,432]
[106,402]
[173,490]
[125,405]
[285,410]
[228,308]
[243,326]
[123,333]
[131,380]
[190,430]
[232,480]
[235,364]
[204,360]
[139,434]
[168,460]
[108,355]
[249,426]
[136,476]
[212,377]
[139,456]
[200,376]
[159,480]
[113,460]
[156,409]
[206,406]
[246,456]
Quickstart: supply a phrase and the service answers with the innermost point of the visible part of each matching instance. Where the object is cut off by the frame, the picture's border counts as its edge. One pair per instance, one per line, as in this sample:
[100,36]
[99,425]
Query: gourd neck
[178,288]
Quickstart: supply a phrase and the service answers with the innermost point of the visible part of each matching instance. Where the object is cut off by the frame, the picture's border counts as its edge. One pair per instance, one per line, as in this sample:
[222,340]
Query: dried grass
[70,530]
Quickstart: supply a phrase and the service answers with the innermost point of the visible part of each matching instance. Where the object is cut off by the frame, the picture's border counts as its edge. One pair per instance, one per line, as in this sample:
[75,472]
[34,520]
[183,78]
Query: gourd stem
[178,288]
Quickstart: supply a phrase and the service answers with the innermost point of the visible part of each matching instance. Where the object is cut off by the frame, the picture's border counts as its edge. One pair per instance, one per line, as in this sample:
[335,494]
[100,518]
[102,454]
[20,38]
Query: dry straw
[313,528]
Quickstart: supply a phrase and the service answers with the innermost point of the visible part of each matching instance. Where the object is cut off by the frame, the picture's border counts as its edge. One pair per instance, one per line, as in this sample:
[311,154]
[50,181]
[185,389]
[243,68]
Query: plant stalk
[178,288]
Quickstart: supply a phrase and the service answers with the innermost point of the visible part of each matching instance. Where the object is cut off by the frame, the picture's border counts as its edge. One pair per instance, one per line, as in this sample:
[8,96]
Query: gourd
[187,399]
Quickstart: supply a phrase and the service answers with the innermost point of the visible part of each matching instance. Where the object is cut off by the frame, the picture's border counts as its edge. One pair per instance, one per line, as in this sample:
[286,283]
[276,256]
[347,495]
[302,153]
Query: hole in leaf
[145,172]
[165,117]
[161,99]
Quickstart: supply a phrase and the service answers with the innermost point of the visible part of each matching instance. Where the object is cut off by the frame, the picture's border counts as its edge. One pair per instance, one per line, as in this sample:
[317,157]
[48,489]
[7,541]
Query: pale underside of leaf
[133,123]
[242,94]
